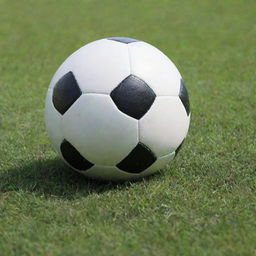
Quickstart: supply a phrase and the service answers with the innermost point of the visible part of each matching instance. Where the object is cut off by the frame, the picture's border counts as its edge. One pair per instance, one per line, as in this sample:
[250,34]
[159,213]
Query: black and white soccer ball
[117,109]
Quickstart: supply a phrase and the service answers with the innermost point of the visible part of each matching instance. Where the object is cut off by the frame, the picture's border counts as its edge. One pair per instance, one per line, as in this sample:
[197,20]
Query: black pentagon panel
[138,160]
[125,40]
[73,157]
[183,94]
[133,97]
[179,148]
[65,92]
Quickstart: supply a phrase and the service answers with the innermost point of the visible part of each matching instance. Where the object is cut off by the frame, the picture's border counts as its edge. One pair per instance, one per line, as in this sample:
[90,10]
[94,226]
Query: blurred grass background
[204,203]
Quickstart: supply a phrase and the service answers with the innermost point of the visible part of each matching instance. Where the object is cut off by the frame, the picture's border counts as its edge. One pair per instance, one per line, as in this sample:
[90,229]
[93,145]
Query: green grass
[203,204]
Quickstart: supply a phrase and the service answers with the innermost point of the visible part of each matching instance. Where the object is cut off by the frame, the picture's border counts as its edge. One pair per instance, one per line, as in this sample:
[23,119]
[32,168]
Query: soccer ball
[117,109]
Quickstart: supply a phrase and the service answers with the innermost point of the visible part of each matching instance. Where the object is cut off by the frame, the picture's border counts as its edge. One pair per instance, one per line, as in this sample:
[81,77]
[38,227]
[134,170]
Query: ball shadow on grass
[52,178]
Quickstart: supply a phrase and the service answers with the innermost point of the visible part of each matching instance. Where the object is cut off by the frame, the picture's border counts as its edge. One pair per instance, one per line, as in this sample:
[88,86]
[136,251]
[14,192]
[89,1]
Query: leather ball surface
[117,109]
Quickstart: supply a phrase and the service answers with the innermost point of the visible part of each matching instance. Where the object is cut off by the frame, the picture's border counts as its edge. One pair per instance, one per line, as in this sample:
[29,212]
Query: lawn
[204,203]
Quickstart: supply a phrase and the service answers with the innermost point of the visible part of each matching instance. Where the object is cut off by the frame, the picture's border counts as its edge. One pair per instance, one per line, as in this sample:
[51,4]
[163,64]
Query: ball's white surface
[95,126]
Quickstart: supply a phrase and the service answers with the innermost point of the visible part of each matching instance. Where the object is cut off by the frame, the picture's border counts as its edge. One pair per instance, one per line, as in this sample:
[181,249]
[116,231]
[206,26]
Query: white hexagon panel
[155,68]
[98,67]
[165,126]
[98,130]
